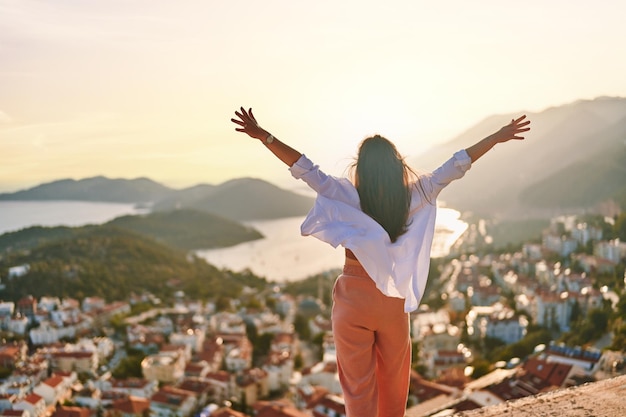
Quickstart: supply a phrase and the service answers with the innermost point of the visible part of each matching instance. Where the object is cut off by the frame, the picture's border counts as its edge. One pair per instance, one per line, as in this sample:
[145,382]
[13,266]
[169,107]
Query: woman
[385,220]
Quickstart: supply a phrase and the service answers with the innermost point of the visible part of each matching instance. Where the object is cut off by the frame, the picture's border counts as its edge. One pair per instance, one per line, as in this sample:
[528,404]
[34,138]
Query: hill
[113,263]
[139,190]
[578,136]
[239,199]
[188,229]
[242,199]
[181,229]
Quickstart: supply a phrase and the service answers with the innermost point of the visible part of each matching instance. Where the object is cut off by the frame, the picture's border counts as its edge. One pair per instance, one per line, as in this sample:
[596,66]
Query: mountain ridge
[561,137]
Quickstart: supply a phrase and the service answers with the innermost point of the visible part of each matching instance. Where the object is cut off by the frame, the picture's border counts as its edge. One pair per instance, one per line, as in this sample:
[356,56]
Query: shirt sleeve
[454,168]
[340,189]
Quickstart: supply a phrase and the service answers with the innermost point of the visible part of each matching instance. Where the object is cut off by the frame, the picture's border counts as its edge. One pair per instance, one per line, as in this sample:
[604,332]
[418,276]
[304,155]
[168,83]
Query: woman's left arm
[506,133]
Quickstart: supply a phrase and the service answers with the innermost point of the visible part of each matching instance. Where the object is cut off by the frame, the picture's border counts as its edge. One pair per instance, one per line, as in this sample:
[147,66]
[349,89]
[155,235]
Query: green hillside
[113,263]
[188,229]
[181,229]
[600,177]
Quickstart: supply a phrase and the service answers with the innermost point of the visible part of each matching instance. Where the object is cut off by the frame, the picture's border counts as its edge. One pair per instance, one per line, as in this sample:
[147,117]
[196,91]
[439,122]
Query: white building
[33,403]
[506,326]
[162,367]
[193,338]
[613,250]
[54,390]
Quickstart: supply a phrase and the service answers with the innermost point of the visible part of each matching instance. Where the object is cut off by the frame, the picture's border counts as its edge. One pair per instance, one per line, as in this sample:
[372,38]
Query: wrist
[269,138]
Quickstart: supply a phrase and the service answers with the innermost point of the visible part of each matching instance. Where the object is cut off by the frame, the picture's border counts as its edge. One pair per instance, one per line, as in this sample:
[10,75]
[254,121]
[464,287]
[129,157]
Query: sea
[282,255]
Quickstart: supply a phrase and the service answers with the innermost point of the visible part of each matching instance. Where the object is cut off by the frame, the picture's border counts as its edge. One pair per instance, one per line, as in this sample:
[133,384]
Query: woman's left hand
[249,125]
[512,130]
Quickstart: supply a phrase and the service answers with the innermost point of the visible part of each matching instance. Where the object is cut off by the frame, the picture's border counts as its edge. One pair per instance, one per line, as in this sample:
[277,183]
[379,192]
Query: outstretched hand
[248,124]
[512,130]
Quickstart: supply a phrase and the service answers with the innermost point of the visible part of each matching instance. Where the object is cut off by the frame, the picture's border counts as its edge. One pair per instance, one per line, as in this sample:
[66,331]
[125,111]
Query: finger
[519,119]
[239,122]
[238,129]
[251,115]
[245,113]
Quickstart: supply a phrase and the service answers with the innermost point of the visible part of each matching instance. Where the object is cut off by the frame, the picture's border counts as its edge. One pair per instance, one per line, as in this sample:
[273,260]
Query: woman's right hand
[249,125]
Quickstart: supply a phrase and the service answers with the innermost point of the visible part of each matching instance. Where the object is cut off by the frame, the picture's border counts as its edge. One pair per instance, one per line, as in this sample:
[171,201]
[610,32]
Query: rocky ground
[602,398]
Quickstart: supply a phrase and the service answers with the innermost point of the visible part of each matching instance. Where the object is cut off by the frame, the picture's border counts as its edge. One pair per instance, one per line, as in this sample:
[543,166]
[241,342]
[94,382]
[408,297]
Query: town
[494,326]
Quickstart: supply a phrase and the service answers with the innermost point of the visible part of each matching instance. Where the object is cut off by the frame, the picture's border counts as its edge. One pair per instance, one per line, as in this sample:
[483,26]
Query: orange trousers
[373,345]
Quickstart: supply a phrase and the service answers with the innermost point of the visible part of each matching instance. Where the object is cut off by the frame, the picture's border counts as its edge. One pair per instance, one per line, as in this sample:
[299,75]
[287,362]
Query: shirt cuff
[301,167]
[462,160]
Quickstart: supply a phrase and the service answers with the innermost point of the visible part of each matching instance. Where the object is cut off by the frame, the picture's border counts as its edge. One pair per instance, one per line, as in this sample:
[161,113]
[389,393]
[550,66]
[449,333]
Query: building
[54,390]
[164,367]
[129,407]
[172,402]
[34,404]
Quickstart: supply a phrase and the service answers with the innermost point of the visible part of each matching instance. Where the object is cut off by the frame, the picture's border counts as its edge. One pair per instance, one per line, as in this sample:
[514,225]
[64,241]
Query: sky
[146,88]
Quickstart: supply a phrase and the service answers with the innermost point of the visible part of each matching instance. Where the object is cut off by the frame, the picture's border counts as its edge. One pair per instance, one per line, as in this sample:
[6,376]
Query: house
[279,369]
[164,367]
[18,385]
[506,326]
[88,396]
[14,413]
[440,360]
[53,390]
[134,387]
[588,359]
[307,396]
[192,337]
[129,407]
[6,401]
[277,409]
[12,354]
[221,385]
[63,411]
[250,386]
[238,351]
[172,402]
[202,388]
[423,390]
[34,404]
[212,353]
[78,361]
[323,374]
[27,306]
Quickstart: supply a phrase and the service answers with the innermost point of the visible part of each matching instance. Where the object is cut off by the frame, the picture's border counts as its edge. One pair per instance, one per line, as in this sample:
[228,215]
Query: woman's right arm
[299,165]
[250,127]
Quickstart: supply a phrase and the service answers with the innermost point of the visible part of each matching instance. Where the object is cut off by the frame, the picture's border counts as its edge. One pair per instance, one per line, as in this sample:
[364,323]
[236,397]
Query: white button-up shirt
[399,269]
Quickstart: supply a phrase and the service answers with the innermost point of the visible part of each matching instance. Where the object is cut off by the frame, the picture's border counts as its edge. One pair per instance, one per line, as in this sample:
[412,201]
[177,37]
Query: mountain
[180,229]
[113,263]
[562,158]
[241,199]
[139,190]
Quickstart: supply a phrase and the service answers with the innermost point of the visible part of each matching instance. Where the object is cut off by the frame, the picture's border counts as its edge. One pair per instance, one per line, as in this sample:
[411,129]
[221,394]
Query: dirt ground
[602,398]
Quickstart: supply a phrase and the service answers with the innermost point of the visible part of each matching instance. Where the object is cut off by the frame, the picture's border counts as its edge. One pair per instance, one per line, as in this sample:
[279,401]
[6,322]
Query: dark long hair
[382,181]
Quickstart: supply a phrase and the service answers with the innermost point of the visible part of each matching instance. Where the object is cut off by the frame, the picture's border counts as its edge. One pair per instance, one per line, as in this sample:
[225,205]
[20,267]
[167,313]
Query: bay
[282,255]
[16,215]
